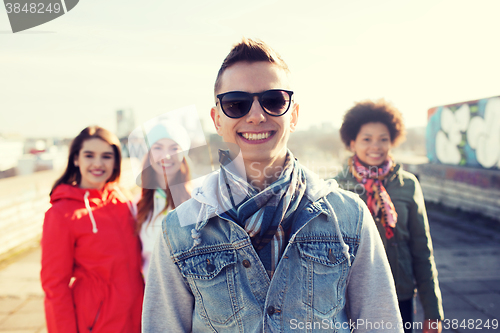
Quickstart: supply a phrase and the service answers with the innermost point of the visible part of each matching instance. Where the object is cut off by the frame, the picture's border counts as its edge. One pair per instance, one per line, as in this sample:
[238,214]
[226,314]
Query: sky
[157,56]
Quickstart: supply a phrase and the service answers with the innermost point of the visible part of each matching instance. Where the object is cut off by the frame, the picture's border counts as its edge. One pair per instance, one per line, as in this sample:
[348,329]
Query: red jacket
[91,262]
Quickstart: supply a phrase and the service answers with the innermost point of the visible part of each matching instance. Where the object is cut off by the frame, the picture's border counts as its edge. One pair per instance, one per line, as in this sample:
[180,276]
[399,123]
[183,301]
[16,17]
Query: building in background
[125,124]
[11,150]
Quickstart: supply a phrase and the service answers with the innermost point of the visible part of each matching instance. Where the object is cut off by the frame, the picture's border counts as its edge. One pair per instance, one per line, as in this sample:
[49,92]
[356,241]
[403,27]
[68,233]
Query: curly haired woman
[370,130]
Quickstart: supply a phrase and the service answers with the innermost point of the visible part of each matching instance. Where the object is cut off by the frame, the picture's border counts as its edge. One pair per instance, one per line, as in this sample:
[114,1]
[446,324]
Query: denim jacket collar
[207,196]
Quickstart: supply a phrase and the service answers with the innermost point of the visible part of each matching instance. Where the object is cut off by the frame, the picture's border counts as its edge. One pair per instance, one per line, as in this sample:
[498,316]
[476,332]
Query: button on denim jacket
[226,285]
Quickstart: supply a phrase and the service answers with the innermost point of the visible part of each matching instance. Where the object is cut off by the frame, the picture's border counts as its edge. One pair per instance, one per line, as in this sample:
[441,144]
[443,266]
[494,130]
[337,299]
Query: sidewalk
[467,257]
[21,296]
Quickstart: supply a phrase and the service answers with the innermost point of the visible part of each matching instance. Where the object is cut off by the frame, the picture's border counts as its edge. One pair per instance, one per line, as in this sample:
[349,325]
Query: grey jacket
[205,275]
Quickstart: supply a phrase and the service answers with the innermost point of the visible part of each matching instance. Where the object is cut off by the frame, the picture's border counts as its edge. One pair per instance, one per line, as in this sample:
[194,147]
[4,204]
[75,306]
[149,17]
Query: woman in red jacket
[91,255]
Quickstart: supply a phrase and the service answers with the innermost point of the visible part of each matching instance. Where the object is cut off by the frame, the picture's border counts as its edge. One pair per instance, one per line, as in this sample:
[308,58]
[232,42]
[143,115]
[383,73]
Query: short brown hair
[365,112]
[250,51]
[72,173]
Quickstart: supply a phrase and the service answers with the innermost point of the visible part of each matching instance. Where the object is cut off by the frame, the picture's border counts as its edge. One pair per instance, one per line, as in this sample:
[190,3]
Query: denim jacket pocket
[324,272]
[211,278]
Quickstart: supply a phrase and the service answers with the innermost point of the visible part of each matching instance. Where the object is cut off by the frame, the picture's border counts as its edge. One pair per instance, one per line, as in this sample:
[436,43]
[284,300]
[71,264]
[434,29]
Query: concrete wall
[465,134]
[470,189]
[462,142]
[23,202]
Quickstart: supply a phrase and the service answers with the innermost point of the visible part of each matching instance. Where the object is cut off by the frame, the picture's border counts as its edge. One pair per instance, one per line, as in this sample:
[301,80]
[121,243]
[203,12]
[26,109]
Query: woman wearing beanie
[165,181]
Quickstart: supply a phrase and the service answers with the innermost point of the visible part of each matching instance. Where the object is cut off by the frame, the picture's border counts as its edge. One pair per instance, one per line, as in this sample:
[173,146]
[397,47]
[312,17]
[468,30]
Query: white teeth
[254,136]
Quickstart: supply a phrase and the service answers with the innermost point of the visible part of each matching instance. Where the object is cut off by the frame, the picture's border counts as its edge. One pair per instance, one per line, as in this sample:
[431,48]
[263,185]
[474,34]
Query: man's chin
[257,156]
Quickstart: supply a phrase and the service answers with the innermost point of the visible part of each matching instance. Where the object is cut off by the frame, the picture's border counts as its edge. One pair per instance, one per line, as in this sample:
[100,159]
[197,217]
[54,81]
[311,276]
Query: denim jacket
[205,276]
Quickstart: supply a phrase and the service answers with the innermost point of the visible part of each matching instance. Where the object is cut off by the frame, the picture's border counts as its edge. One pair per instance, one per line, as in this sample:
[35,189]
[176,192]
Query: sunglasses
[274,102]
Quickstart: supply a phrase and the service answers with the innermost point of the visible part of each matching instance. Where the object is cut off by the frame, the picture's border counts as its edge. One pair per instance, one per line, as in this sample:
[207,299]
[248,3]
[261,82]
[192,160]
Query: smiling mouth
[256,136]
[97,173]
[374,155]
[166,165]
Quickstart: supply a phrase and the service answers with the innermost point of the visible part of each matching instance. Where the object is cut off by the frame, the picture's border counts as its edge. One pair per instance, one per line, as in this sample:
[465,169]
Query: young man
[264,245]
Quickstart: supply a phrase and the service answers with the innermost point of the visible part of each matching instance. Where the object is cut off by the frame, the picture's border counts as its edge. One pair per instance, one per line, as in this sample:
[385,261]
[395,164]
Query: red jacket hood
[90,235]
[110,192]
[70,192]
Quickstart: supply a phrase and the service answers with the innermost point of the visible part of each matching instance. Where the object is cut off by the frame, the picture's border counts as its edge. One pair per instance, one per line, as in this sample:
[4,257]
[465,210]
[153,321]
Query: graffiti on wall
[465,134]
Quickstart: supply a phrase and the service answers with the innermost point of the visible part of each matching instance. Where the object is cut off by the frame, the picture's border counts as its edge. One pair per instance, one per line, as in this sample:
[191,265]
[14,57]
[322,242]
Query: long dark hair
[145,206]
[72,173]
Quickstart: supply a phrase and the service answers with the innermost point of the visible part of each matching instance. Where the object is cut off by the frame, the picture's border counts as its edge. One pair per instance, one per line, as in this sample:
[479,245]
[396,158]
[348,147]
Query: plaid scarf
[266,215]
[378,200]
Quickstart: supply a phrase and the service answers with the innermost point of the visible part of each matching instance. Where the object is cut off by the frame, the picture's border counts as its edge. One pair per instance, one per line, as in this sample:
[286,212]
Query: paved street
[467,255]
[21,296]
[468,261]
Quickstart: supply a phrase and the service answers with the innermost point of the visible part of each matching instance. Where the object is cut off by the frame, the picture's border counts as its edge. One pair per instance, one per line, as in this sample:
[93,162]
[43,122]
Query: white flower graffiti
[483,135]
[450,135]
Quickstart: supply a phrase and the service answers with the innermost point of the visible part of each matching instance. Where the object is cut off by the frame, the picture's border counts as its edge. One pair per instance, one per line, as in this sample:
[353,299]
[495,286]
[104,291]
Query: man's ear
[214,113]
[295,117]
[351,146]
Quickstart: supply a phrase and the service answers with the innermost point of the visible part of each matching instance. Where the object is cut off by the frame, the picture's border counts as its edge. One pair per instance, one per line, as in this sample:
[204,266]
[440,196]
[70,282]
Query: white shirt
[151,229]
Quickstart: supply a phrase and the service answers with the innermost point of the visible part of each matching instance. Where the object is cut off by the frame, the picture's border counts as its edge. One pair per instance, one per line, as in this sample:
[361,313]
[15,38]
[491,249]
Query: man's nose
[256,113]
